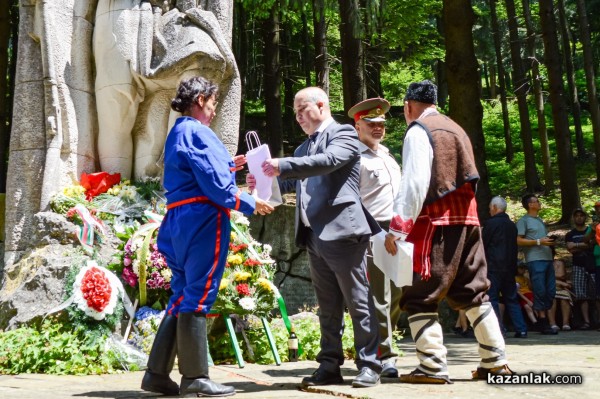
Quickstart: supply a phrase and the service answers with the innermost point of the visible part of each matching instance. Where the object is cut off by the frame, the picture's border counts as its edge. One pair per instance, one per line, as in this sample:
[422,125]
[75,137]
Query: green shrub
[56,348]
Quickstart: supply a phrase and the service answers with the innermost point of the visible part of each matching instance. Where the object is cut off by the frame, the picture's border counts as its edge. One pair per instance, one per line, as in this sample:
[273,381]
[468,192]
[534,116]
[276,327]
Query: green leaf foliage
[56,348]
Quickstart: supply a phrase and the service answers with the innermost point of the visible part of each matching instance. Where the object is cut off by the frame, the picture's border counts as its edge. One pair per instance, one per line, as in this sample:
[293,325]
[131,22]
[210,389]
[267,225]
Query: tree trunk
[374,58]
[440,71]
[486,78]
[353,70]
[588,66]
[521,85]
[463,87]
[570,72]
[320,44]
[510,152]
[5,39]
[305,50]
[289,119]
[493,82]
[272,77]
[569,191]
[539,99]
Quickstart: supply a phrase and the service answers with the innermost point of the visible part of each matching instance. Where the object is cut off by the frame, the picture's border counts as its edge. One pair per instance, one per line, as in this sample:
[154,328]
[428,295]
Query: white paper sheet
[398,268]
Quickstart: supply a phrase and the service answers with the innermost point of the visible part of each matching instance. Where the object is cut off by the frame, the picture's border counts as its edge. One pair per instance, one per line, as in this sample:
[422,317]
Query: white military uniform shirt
[379,182]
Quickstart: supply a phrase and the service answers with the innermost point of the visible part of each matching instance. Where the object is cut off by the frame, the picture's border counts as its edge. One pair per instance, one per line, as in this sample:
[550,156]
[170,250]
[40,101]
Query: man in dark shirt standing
[500,243]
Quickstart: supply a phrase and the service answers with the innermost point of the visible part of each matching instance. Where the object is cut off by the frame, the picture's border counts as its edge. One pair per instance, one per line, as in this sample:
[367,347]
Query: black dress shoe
[366,378]
[322,377]
[521,334]
[389,370]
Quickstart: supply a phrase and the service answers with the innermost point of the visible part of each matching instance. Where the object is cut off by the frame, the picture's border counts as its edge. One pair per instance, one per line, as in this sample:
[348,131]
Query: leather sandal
[419,377]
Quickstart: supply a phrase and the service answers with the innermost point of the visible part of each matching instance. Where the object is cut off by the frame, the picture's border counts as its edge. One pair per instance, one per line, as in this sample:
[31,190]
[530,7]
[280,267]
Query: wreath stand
[235,344]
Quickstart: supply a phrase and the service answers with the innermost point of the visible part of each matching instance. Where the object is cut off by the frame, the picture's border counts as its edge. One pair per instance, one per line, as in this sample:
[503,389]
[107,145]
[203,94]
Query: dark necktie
[312,142]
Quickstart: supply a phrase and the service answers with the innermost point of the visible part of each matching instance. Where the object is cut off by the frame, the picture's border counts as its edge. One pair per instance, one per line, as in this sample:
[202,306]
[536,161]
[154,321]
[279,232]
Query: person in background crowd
[592,238]
[500,242]
[584,267]
[525,293]
[461,327]
[537,247]
[563,298]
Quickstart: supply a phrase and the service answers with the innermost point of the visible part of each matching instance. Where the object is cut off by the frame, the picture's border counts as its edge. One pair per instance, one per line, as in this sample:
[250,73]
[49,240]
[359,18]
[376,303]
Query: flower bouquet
[145,269]
[146,326]
[246,287]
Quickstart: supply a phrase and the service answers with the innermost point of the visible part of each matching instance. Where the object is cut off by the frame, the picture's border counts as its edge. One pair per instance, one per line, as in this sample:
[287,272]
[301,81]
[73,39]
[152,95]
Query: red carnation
[251,262]
[96,289]
[243,289]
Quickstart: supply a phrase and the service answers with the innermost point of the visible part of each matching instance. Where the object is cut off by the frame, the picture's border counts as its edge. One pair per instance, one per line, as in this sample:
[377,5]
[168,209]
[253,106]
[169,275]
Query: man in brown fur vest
[437,212]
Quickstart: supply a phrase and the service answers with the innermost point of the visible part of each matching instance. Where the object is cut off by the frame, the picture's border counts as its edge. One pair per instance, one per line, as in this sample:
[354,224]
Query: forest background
[519,76]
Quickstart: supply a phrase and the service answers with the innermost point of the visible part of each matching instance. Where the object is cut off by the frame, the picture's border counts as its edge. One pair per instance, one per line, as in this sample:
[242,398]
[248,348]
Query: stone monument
[93,87]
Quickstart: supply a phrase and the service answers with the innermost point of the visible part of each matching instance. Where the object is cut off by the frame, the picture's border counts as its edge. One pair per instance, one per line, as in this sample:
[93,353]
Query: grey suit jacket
[332,169]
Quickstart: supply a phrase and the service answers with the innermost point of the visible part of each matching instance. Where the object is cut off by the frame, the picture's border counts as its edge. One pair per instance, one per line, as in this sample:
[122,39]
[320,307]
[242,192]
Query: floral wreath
[95,292]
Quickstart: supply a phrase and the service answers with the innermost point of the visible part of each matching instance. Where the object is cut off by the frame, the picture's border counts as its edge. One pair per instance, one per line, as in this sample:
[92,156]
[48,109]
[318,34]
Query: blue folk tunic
[194,236]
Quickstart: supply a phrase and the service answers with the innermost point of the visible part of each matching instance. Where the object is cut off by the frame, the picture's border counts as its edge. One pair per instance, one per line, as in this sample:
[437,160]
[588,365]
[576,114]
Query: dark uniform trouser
[386,299]
[339,276]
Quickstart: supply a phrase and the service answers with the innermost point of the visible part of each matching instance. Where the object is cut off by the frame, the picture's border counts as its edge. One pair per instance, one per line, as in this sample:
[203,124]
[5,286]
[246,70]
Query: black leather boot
[162,358]
[193,358]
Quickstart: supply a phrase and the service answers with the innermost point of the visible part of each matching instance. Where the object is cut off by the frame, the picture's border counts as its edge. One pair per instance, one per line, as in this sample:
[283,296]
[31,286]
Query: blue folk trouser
[543,283]
[194,239]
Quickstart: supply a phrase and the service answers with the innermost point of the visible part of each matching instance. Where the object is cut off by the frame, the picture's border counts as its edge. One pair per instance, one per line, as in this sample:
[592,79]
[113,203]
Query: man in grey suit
[335,228]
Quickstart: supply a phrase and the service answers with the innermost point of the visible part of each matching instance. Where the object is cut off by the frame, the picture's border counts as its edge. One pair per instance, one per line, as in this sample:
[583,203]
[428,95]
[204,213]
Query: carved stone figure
[142,50]
[93,85]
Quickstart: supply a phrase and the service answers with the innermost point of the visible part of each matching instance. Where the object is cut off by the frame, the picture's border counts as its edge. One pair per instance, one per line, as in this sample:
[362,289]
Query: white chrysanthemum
[128,193]
[166,274]
[137,242]
[267,249]
[243,220]
[248,303]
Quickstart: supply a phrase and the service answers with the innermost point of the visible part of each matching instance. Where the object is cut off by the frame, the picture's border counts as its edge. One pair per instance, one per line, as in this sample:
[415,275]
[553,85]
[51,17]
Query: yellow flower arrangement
[74,190]
[241,276]
[265,284]
[235,259]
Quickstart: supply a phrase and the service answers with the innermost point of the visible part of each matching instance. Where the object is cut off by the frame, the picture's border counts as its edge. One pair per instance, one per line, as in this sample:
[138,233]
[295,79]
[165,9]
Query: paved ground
[576,352]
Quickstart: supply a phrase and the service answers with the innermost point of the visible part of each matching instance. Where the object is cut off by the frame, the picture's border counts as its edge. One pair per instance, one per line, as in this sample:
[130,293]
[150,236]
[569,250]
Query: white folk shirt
[379,182]
[417,160]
